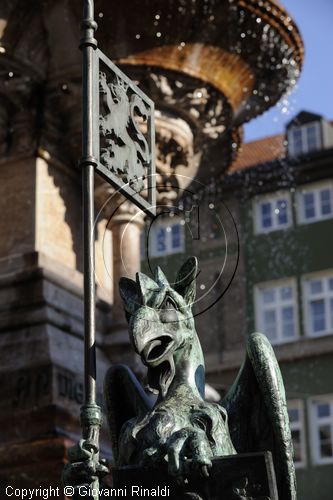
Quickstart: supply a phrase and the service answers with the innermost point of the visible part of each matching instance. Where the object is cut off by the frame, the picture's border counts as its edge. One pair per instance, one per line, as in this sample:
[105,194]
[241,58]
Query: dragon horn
[186,280]
[147,286]
[160,277]
[129,292]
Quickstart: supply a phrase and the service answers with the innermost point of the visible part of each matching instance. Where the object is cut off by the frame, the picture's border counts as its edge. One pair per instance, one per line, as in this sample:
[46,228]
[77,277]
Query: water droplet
[10,74]
[137,36]
[258,20]
[202,287]
[2,50]
[211,206]
[157,16]
[100,14]
[158,34]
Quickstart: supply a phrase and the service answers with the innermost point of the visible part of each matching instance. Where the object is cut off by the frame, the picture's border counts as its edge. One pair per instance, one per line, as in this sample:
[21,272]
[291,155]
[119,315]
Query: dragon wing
[257,412]
[124,399]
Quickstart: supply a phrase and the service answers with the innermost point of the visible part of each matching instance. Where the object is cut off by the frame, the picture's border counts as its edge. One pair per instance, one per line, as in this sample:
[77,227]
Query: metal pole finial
[88,25]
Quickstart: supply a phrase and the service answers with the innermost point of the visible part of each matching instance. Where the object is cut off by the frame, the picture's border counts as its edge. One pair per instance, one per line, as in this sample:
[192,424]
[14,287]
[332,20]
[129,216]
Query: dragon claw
[204,471]
[188,451]
[83,467]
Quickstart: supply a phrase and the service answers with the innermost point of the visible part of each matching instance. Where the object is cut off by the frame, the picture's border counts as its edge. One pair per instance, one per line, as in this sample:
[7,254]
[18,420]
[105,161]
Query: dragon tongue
[164,374]
[161,376]
[167,372]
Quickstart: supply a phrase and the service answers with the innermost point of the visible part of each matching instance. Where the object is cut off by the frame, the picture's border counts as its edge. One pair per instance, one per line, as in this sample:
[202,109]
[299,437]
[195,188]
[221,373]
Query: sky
[314,90]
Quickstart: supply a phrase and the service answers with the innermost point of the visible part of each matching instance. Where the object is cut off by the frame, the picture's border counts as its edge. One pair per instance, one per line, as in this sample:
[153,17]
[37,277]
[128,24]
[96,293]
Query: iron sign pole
[94,85]
[90,412]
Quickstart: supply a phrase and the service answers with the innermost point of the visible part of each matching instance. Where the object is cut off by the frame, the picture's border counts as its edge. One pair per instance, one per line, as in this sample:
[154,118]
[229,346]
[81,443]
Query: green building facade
[269,222]
[287,232]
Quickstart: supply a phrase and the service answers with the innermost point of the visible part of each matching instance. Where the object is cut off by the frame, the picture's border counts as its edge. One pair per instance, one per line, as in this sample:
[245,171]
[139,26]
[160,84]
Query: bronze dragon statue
[180,429]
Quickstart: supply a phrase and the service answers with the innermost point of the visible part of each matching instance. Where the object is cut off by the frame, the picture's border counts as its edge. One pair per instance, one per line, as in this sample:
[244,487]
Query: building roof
[273,147]
[258,152]
[302,118]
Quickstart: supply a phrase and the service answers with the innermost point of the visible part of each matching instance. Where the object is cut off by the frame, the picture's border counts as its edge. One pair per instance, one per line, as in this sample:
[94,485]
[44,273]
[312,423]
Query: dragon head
[160,318]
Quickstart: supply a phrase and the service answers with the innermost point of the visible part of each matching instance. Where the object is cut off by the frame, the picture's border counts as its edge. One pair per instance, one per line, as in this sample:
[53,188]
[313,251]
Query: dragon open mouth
[156,349]
[161,376]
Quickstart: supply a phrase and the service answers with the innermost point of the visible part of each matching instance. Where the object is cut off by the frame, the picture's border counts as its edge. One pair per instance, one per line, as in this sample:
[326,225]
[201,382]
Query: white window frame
[326,295]
[304,138]
[166,223]
[299,426]
[271,198]
[259,309]
[314,188]
[314,425]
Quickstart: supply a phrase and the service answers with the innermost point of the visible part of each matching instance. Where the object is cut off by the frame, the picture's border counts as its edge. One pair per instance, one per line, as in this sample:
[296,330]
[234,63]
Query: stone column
[125,221]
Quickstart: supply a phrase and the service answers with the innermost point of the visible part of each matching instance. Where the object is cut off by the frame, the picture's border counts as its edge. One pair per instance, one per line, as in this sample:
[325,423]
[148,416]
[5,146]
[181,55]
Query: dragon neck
[189,368]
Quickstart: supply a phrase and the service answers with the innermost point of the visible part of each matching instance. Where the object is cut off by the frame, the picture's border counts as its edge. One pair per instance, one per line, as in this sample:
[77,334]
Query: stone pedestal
[41,321]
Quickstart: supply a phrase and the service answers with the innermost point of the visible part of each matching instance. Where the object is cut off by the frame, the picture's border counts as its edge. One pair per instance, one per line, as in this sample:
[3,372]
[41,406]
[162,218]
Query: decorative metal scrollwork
[126,152]
[124,134]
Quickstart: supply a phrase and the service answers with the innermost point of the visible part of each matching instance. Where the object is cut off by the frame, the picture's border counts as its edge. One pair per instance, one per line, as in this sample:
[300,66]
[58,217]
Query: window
[304,139]
[166,238]
[272,212]
[318,301]
[296,419]
[322,430]
[276,311]
[315,202]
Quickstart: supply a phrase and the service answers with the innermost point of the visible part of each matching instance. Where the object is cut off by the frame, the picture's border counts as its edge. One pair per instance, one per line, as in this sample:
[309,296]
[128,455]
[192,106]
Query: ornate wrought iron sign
[123,134]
